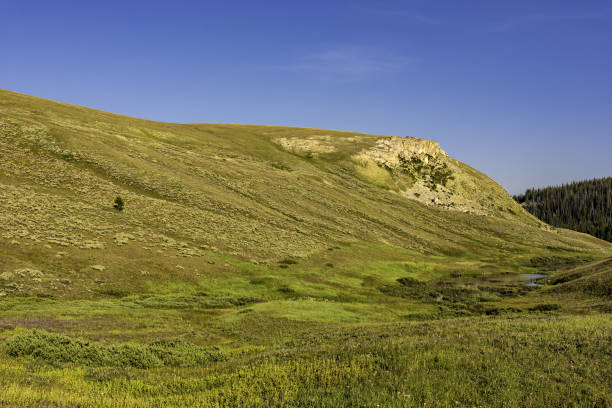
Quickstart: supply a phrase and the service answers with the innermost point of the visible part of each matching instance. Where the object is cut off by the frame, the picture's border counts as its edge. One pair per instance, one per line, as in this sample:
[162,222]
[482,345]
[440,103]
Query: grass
[249,271]
[469,335]
[455,362]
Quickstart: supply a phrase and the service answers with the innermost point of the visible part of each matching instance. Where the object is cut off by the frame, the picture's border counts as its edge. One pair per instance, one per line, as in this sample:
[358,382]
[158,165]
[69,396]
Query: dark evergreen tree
[584,206]
[118,204]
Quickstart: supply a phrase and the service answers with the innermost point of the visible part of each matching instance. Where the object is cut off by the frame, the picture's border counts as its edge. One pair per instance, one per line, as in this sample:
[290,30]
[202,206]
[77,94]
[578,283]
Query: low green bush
[118,293]
[53,347]
[132,355]
[546,307]
[410,282]
[179,353]
[57,348]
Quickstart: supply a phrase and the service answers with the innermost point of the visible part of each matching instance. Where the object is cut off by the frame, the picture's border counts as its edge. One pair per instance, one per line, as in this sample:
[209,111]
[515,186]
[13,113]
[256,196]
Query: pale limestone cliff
[391,152]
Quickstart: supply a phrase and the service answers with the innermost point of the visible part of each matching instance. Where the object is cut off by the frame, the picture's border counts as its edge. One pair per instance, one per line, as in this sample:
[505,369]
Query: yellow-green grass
[498,362]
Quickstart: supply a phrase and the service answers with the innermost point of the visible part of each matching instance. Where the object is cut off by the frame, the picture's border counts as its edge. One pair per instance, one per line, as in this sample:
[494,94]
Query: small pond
[531,279]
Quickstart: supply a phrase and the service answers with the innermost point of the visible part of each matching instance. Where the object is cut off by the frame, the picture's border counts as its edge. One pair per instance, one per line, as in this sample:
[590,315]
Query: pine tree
[118,205]
[584,206]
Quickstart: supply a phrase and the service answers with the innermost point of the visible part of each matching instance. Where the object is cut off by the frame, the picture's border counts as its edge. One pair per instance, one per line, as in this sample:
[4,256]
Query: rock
[123,238]
[100,268]
[65,281]
[311,146]
[390,152]
[32,273]
[6,276]
[91,245]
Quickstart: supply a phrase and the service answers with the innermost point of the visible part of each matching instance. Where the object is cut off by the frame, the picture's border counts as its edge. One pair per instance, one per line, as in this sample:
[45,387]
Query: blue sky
[521,90]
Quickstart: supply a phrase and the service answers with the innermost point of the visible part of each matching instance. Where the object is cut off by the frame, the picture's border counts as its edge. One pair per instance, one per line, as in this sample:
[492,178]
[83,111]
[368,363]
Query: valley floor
[445,343]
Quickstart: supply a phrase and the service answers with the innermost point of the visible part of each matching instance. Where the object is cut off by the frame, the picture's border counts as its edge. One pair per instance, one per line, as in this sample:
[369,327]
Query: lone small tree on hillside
[118,204]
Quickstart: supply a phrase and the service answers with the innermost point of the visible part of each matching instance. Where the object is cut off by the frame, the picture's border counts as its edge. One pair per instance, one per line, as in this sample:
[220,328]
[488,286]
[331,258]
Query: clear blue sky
[521,90]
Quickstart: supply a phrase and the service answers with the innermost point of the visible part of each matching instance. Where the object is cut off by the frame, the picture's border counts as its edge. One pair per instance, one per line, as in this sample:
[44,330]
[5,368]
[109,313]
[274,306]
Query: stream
[531,279]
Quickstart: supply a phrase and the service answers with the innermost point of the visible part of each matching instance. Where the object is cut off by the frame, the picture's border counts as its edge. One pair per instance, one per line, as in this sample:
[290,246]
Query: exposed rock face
[391,152]
[418,168]
[311,146]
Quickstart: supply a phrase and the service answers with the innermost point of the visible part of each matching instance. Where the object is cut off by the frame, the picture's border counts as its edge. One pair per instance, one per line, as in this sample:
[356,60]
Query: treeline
[584,206]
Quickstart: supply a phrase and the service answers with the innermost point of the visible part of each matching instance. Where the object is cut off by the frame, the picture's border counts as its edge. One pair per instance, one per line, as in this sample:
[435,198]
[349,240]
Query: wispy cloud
[536,18]
[350,63]
[404,15]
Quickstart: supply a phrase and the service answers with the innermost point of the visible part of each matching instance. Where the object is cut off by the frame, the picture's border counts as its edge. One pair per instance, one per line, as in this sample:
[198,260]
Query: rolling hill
[323,261]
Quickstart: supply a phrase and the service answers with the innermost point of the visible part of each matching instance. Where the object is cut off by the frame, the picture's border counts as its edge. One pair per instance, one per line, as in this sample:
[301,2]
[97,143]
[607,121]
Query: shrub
[118,205]
[409,282]
[413,292]
[57,348]
[132,355]
[54,348]
[286,289]
[179,353]
[245,300]
[546,307]
[118,293]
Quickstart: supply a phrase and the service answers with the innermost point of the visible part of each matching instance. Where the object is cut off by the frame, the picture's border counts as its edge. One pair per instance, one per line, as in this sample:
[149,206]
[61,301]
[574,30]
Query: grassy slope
[229,240]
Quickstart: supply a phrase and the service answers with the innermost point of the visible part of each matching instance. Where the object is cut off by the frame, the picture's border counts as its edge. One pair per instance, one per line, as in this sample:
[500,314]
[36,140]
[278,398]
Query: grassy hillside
[584,206]
[260,265]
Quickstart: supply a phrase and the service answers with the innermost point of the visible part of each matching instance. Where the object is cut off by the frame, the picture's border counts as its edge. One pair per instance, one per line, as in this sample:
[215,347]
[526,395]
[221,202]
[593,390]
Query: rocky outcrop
[311,146]
[392,152]
[419,169]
